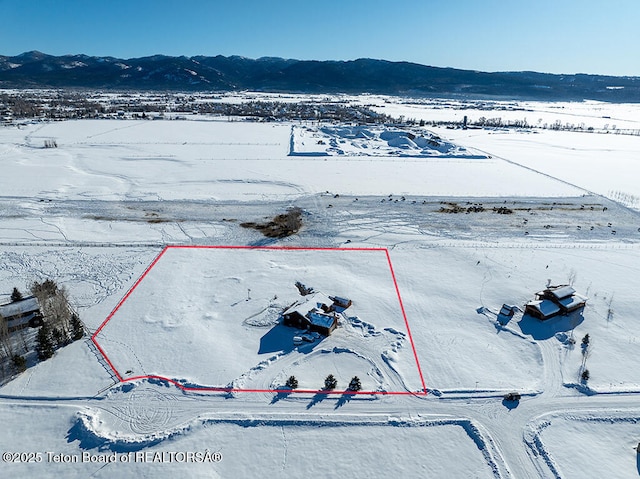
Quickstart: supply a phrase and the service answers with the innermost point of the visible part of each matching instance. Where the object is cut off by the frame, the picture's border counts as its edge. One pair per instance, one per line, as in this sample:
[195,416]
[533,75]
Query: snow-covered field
[221,306]
[490,217]
[222,161]
[369,446]
[604,164]
[568,445]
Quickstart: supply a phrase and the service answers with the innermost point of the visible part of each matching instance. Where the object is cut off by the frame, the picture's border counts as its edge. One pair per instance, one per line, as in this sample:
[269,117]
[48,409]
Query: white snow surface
[95,212]
[214,160]
[221,307]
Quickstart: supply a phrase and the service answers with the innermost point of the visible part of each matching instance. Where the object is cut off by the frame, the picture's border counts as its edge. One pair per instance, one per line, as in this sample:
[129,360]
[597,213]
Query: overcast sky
[555,36]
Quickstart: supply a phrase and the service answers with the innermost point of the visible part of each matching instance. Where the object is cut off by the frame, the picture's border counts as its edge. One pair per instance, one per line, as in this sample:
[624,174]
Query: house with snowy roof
[21,314]
[555,301]
[316,312]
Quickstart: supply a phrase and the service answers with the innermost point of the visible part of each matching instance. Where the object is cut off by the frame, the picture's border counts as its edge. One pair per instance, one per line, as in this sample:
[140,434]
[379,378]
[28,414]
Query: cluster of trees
[69,104]
[330,383]
[557,125]
[586,352]
[8,348]
[19,107]
[61,325]
[272,110]
[58,105]
[625,198]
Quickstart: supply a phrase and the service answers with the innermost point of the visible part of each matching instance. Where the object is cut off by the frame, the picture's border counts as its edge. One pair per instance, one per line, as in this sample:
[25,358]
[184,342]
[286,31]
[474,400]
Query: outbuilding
[506,313]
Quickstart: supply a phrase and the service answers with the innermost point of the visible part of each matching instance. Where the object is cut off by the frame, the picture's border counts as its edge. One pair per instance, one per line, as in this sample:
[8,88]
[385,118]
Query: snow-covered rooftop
[570,302]
[309,303]
[320,319]
[562,291]
[26,305]
[545,306]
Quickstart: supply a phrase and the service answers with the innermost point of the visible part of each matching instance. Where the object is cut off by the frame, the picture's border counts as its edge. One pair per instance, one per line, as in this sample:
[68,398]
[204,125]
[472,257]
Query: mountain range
[219,73]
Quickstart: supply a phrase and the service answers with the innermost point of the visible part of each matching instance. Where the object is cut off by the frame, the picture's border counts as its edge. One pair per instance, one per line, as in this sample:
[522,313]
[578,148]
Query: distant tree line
[63,104]
[311,111]
[25,105]
[557,125]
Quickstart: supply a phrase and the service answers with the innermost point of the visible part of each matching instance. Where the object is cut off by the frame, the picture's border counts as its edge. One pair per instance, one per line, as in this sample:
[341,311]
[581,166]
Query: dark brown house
[21,314]
[316,312]
[555,301]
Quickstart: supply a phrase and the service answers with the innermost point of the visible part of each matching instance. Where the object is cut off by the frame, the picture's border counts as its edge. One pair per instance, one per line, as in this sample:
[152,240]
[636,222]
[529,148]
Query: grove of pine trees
[61,325]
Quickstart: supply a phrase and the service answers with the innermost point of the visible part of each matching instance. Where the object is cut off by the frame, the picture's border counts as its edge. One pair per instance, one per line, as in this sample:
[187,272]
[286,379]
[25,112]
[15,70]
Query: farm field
[222,306]
[141,222]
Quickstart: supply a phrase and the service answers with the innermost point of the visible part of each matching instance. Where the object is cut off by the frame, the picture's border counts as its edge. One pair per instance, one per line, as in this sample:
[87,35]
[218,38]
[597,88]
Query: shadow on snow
[510,404]
[280,339]
[318,398]
[539,330]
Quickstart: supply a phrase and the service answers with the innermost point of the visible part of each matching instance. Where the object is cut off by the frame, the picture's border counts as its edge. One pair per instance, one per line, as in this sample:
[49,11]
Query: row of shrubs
[330,383]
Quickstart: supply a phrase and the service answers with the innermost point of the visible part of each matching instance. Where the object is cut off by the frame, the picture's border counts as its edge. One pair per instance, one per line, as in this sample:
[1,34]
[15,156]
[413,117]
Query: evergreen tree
[355,384]
[59,337]
[330,382]
[16,295]
[292,382]
[20,363]
[44,343]
[77,329]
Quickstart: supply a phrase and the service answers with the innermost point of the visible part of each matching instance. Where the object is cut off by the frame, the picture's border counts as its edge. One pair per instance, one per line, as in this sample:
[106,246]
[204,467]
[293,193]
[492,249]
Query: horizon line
[190,57]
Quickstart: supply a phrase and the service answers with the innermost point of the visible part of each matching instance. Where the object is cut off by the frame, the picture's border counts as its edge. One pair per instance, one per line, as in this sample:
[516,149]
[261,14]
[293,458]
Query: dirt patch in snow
[280,226]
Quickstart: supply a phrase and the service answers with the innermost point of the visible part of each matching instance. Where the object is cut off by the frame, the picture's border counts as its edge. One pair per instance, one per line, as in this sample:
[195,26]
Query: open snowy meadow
[221,307]
[429,231]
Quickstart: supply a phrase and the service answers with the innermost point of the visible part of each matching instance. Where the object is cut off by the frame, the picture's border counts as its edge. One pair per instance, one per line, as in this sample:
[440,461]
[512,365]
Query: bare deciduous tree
[6,346]
[54,304]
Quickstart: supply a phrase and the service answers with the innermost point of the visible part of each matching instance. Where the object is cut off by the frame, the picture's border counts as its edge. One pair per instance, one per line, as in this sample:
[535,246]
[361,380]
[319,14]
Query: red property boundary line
[117,374]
